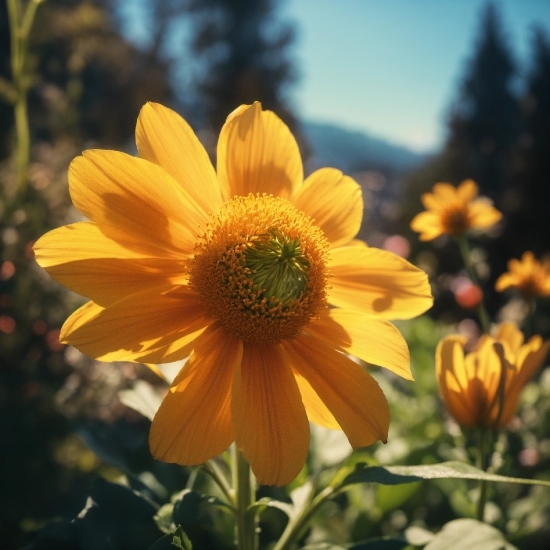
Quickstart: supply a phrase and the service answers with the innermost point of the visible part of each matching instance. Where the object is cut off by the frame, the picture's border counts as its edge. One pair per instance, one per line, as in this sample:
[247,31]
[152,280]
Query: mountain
[352,151]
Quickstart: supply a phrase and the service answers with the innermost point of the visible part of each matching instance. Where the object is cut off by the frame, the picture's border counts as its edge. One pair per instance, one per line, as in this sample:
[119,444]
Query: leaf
[323,546]
[187,508]
[141,398]
[163,518]
[379,543]
[390,497]
[181,540]
[175,539]
[470,534]
[395,475]
[266,502]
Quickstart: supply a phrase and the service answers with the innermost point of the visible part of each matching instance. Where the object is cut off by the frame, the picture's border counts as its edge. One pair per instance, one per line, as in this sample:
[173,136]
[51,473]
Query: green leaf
[379,543]
[187,508]
[175,539]
[390,497]
[142,398]
[163,518]
[395,475]
[470,534]
[266,502]
[181,540]
[414,536]
[323,546]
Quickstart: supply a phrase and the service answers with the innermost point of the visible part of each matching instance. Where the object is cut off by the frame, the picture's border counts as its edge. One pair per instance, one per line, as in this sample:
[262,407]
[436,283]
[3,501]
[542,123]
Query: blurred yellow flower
[236,269]
[529,276]
[469,383]
[453,211]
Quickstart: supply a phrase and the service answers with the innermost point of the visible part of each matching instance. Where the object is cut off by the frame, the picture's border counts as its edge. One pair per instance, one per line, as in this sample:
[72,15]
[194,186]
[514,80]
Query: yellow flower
[469,383]
[235,268]
[453,211]
[529,276]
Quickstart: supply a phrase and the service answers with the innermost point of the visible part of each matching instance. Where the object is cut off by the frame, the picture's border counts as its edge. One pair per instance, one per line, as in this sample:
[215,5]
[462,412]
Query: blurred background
[399,94]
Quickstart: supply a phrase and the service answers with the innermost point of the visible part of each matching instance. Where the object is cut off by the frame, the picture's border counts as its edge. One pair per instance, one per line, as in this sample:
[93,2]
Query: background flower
[453,211]
[469,382]
[528,275]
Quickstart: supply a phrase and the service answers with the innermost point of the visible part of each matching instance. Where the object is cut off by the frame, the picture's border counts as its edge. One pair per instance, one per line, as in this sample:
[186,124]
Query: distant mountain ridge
[351,151]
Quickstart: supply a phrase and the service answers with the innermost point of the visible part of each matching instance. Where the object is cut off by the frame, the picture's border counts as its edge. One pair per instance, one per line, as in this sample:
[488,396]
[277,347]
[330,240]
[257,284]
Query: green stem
[297,524]
[212,469]
[482,464]
[245,497]
[467,259]
[20,27]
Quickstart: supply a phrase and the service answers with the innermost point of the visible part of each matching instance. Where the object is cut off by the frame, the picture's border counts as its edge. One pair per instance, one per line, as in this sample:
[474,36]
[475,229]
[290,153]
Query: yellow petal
[428,224]
[445,191]
[483,215]
[467,190]
[127,195]
[334,201]
[150,327]
[258,154]
[271,425]
[432,202]
[368,337]
[193,423]
[349,392]
[377,281]
[317,411]
[530,359]
[84,260]
[509,334]
[506,280]
[452,380]
[163,137]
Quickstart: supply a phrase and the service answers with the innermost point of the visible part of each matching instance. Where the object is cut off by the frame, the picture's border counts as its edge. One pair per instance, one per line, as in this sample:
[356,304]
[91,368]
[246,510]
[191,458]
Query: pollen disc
[261,269]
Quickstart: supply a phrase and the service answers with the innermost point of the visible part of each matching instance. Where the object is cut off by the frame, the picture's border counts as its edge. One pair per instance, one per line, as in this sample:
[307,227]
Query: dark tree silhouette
[484,121]
[243,52]
[529,197]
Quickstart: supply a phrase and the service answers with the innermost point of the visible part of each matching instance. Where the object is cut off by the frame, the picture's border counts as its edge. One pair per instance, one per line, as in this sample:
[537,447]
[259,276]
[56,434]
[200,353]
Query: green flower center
[278,266]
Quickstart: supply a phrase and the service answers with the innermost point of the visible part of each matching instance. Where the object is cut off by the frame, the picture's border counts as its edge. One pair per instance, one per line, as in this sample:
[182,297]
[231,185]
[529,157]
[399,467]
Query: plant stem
[20,27]
[296,524]
[212,469]
[482,465]
[467,259]
[245,497]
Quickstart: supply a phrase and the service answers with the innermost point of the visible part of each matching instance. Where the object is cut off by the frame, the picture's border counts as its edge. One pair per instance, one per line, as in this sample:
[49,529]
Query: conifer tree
[534,180]
[244,56]
[484,121]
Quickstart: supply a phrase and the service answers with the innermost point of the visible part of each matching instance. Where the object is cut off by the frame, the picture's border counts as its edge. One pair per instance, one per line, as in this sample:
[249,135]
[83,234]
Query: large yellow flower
[453,211]
[237,269]
[529,276]
[469,384]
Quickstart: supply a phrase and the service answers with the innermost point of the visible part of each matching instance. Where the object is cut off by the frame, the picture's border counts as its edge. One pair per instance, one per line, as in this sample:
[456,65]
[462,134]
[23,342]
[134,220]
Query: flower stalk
[244,485]
[467,259]
[20,25]
[298,523]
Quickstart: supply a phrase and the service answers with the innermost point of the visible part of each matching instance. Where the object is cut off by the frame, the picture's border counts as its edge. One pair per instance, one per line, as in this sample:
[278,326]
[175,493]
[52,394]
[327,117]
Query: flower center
[278,266]
[455,221]
[260,269]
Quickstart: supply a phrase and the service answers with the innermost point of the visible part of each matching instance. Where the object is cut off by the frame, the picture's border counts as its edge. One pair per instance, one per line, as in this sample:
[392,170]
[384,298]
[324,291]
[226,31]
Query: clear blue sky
[392,67]
[387,67]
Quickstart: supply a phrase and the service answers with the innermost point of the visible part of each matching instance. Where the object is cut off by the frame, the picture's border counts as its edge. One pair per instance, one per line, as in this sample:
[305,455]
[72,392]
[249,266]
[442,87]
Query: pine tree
[244,56]
[484,121]
[534,178]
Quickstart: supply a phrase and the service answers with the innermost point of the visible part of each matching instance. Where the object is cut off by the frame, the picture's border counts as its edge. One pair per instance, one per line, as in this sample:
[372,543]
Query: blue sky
[392,67]
[388,67]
